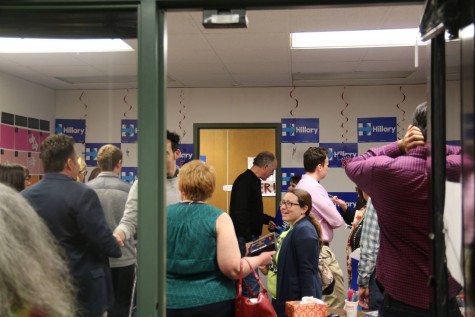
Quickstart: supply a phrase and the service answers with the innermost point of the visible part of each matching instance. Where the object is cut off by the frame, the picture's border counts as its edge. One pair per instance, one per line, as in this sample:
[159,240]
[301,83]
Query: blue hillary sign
[382,129]
[75,128]
[128,131]
[340,151]
[129,174]
[350,198]
[287,173]
[91,150]
[186,154]
[300,130]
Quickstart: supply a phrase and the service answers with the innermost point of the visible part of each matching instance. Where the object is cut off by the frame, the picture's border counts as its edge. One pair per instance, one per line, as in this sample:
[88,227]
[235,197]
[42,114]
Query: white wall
[20,97]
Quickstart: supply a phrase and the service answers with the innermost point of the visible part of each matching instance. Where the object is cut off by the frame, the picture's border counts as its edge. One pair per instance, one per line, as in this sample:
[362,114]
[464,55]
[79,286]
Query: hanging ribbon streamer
[84,104]
[345,118]
[291,94]
[128,104]
[182,113]
[400,130]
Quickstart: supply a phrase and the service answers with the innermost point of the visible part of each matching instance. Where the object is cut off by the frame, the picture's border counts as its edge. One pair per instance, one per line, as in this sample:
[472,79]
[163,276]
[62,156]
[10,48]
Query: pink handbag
[244,307]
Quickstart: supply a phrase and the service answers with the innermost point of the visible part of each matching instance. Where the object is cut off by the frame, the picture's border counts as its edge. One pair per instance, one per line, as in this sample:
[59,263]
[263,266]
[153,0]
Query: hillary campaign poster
[382,129]
[337,152]
[128,131]
[287,173]
[129,174]
[186,154]
[306,130]
[75,128]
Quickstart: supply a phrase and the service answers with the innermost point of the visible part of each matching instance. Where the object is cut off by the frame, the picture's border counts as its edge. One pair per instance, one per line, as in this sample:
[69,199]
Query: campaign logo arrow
[91,154]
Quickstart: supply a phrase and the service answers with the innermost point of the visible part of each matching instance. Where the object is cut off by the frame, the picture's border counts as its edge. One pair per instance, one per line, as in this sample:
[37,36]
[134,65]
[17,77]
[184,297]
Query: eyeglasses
[288,204]
[83,172]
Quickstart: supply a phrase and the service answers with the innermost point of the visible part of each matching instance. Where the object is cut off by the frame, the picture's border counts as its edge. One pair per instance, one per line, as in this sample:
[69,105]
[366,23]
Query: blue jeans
[250,279]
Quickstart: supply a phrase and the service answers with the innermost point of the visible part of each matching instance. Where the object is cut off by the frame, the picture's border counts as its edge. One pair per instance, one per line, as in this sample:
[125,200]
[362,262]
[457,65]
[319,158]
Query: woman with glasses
[296,261]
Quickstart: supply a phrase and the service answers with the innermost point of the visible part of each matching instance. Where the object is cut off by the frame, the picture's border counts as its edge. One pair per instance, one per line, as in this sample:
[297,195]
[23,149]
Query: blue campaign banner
[382,129]
[305,130]
[75,128]
[129,174]
[128,131]
[287,173]
[340,151]
[349,197]
[186,154]
[90,152]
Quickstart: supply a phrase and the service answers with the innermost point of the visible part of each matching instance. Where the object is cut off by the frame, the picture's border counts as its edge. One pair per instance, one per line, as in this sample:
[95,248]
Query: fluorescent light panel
[362,38]
[19,45]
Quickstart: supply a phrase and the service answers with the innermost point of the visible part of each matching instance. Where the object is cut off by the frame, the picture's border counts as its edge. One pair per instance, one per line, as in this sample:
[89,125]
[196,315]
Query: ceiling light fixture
[23,45]
[224,18]
[360,38]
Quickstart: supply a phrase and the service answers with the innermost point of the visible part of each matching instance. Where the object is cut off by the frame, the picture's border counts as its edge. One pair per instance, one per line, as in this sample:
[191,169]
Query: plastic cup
[351,308]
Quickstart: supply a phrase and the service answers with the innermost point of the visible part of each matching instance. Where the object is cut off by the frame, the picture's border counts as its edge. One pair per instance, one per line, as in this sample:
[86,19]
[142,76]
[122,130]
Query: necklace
[189,202]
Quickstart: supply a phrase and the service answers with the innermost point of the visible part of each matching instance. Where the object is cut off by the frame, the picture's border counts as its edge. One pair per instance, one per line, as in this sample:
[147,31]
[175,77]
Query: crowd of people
[79,238]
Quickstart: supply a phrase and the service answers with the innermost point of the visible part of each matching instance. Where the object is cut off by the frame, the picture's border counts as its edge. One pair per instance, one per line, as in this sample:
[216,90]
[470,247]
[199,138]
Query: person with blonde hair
[82,170]
[34,278]
[203,257]
[113,193]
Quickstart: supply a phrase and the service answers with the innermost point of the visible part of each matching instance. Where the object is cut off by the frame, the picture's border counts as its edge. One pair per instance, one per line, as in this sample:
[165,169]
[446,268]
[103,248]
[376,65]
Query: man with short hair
[246,208]
[113,193]
[128,225]
[315,161]
[397,178]
[74,215]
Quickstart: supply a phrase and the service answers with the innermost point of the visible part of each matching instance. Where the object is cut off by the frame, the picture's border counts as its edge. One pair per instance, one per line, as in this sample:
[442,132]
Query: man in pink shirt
[315,161]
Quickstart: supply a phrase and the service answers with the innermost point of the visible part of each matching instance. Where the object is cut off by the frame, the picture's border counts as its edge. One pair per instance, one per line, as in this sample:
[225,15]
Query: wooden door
[228,150]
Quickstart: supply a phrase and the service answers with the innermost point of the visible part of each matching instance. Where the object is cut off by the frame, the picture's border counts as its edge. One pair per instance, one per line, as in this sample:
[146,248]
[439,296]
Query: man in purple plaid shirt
[397,178]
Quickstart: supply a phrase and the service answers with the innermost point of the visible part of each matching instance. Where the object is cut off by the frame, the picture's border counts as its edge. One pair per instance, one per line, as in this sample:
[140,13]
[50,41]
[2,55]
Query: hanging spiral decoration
[401,128]
[84,104]
[291,94]
[182,113]
[344,119]
[127,103]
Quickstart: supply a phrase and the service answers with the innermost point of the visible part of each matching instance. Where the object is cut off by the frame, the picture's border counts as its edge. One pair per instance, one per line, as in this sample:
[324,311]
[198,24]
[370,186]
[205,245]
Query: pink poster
[7,137]
[43,136]
[21,158]
[21,139]
[34,163]
[7,156]
[33,141]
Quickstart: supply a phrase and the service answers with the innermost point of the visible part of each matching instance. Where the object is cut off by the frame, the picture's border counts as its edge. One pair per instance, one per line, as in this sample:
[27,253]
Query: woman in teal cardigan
[203,257]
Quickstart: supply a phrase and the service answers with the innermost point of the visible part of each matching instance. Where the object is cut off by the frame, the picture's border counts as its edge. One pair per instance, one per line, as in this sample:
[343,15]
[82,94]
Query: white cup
[351,308]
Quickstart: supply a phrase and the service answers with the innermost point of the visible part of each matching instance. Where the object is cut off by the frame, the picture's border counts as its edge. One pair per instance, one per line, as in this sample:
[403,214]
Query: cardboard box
[295,309]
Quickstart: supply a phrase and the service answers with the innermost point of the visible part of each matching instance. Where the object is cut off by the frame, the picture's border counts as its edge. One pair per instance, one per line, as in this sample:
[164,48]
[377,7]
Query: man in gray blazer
[113,193]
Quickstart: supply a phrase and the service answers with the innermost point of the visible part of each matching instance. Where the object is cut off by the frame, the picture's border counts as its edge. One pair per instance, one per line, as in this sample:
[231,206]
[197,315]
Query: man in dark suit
[74,215]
